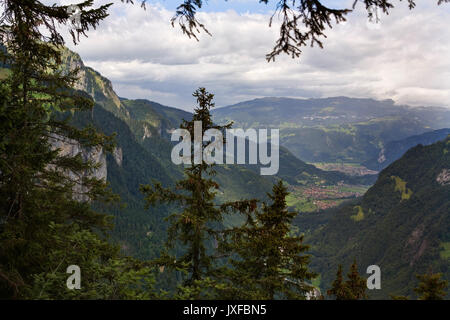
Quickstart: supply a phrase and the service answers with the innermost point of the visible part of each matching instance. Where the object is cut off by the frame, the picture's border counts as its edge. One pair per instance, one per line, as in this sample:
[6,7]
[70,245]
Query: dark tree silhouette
[46,220]
[196,226]
[352,289]
[303,22]
[267,260]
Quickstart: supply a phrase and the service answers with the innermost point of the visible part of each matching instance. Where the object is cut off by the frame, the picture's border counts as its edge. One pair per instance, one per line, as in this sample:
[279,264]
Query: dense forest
[87,185]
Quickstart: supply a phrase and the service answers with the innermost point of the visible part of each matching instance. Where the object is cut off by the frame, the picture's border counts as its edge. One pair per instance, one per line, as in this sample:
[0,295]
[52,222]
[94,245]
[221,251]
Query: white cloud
[407,58]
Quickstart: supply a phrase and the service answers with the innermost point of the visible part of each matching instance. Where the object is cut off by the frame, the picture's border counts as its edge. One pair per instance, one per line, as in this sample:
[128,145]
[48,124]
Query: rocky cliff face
[444,177]
[118,156]
[92,82]
[101,90]
[72,148]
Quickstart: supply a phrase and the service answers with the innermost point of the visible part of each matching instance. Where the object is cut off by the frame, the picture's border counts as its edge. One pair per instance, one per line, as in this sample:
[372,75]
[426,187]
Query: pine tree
[267,261]
[46,219]
[352,289]
[339,288]
[193,230]
[431,287]
[356,284]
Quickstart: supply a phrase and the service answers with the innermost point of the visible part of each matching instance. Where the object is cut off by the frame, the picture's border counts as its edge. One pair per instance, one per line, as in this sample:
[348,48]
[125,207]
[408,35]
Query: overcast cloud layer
[405,58]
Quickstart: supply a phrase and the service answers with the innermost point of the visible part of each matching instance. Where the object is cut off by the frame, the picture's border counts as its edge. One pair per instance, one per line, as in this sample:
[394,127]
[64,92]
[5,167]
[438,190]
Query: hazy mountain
[337,129]
[395,149]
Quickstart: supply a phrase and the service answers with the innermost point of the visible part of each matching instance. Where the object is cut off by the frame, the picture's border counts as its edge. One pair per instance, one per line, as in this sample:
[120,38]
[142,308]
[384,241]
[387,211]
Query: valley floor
[315,198]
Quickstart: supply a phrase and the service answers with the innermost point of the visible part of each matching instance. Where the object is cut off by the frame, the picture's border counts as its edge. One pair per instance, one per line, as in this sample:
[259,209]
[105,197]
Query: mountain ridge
[339,130]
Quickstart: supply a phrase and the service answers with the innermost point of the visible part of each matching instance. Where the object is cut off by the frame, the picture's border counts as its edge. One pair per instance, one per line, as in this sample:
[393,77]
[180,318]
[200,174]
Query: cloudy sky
[406,57]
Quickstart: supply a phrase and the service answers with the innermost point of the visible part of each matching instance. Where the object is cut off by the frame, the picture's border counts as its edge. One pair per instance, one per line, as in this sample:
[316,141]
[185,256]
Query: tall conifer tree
[356,284]
[193,231]
[267,260]
[354,288]
[46,220]
[338,287]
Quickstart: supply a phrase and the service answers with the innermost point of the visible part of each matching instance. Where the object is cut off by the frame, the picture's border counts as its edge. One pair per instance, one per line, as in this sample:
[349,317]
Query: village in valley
[314,198]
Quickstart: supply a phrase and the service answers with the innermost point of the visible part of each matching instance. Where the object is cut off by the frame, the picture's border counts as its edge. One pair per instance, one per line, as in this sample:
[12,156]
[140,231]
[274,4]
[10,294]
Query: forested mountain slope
[401,224]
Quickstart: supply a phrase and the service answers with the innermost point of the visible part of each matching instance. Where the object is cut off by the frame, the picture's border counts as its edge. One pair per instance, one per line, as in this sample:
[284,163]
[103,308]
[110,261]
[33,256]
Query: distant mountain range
[395,149]
[337,129]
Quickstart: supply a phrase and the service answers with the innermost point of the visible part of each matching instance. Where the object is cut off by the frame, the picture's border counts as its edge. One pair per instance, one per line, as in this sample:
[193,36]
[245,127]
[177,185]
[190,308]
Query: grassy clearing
[445,252]
[400,186]
[359,215]
[316,281]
